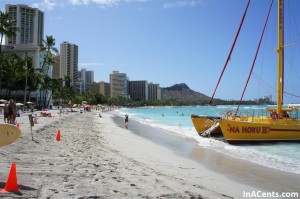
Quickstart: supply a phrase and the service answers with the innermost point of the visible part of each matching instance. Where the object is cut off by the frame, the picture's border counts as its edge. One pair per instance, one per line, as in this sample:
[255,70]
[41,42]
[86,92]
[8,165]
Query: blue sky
[175,41]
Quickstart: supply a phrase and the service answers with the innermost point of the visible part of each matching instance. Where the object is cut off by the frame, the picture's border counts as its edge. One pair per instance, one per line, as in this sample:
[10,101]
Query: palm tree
[46,86]
[55,86]
[33,77]
[28,64]
[48,47]
[8,28]
[68,90]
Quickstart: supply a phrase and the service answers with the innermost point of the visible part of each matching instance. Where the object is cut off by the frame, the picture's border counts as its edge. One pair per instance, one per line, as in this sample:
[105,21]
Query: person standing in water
[126,121]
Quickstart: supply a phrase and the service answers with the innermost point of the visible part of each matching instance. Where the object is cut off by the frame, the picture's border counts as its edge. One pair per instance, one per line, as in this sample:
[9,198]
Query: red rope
[253,63]
[231,50]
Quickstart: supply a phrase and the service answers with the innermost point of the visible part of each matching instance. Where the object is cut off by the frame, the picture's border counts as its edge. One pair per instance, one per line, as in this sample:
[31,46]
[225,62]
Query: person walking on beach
[126,121]
[5,112]
[12,111]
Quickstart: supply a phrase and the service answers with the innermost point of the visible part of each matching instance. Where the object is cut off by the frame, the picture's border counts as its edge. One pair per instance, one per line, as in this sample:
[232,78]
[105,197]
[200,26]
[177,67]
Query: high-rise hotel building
[104,88]
[69,61]
[138,90]
[118,84]
[86,76]
[154,91]
[26,42]
[28,38]
[30,22]
[86,81]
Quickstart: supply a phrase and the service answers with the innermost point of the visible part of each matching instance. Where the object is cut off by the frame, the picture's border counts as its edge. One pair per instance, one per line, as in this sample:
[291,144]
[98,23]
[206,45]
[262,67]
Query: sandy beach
[98,158]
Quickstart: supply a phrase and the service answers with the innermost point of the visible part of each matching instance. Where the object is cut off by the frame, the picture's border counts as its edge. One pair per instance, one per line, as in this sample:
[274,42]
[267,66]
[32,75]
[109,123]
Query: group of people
[10,112]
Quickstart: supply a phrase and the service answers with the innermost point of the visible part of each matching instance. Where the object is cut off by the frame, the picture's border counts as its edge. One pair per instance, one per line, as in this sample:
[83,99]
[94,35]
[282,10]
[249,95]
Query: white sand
[98,159]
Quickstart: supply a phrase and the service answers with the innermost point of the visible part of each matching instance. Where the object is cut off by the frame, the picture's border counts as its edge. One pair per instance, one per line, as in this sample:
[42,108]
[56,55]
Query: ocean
[284,156]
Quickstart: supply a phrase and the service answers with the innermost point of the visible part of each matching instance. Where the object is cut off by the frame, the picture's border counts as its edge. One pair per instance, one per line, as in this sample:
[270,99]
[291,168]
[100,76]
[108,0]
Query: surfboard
[8,134]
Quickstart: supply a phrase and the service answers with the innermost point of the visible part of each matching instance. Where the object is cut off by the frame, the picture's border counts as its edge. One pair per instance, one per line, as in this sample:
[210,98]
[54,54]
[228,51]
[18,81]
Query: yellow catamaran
[280,125]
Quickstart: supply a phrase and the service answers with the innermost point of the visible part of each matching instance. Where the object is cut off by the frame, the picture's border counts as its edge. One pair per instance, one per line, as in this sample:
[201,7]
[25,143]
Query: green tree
[67,92]
[48,46]
[33,77]
[13,67]
[55,85]
[45,87]
[8,28]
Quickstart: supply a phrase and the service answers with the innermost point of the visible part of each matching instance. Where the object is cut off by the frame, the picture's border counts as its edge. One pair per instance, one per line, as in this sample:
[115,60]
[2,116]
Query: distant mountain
[182,92]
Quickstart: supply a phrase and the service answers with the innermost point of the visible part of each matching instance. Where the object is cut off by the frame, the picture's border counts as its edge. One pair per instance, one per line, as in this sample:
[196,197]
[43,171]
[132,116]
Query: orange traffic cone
[58,136]
[11,184]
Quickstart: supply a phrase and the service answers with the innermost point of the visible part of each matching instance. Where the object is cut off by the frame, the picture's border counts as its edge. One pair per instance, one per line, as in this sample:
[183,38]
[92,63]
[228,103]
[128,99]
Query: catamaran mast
[280,57]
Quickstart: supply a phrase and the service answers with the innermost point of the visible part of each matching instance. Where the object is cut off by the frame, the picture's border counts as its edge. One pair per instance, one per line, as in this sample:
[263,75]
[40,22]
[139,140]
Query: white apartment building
[154,91]
[118,84]
[27,40]
[30,22]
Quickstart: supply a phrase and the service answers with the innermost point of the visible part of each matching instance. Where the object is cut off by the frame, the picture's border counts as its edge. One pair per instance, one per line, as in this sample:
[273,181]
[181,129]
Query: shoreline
[259,176]
[99,158]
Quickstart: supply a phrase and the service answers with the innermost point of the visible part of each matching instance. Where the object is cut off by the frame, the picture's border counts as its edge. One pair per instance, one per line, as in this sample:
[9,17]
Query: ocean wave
[243,152]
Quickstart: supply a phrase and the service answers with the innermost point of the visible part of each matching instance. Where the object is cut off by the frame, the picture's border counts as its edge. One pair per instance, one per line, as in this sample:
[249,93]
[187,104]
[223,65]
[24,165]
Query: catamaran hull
[245,131]
[203,124]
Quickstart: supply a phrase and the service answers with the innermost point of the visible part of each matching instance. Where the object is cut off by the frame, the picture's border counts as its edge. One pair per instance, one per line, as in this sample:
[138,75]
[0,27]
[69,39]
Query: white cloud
[51,4]
[130,1]
[98,2]
[107,2]
[75,2]
[103,3]
[85,2]
[46,5]
[182,3]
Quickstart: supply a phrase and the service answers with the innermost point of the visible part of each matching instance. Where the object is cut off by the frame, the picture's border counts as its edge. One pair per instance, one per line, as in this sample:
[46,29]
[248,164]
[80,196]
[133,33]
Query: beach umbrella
[29,102]
[3,100]
[1,105]
[19,104]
